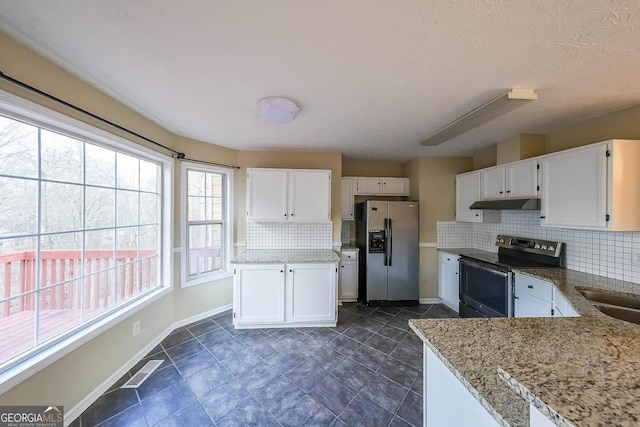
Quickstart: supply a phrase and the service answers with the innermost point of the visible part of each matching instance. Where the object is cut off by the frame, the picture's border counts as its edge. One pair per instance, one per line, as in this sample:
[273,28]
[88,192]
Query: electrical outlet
[635,257]
[136,328]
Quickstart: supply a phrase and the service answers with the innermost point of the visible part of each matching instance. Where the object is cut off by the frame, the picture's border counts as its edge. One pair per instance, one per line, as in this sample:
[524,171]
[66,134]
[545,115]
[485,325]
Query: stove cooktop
[519,252]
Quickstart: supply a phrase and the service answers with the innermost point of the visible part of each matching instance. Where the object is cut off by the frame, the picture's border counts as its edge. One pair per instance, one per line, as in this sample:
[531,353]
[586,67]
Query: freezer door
[376,287]
[404,252]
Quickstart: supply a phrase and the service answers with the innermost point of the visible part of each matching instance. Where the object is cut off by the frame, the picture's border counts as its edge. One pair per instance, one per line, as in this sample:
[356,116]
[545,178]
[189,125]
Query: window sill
[39,360]
[207,279]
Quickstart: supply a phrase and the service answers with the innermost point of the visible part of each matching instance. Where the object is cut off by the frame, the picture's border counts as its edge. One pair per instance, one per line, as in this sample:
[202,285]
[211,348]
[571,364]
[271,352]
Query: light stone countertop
[349,247]
[579,371]
[286,256]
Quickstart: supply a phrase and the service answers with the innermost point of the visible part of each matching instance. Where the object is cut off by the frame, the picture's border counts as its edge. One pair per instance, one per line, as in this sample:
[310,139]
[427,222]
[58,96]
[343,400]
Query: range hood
[507,204]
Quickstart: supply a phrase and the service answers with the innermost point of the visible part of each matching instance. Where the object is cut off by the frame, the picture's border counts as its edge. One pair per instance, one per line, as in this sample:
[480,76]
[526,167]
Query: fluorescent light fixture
[274,109]
[486,112]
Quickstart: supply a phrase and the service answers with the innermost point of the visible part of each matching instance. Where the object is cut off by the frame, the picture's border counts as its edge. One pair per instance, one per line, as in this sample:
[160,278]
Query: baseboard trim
[430,301]
[82,406]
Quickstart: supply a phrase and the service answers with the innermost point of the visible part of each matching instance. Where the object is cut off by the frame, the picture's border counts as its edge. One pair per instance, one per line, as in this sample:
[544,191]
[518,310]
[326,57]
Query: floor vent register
[139,377]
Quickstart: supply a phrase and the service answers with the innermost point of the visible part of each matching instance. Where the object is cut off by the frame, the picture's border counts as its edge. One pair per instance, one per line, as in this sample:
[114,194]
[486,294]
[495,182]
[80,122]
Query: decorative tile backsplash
[289,235]
[604,253]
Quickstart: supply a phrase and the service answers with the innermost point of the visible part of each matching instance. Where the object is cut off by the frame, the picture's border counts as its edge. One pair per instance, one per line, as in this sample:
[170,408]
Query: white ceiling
[372,77]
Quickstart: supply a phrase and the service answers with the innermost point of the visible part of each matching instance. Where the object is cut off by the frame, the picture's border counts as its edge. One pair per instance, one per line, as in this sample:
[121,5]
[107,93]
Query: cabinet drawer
[349,255]
[447,258]
[535,287]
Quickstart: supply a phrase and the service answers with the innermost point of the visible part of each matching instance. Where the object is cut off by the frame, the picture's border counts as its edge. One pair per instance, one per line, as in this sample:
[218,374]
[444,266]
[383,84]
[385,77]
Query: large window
[80,232]
[207,226]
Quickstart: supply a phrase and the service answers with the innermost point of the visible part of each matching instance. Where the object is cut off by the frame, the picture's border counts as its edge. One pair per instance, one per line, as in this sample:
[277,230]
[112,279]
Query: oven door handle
[482,267]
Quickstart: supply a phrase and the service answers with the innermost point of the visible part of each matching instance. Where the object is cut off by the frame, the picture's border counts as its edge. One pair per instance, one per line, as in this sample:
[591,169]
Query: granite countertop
[579,371]
[286,256]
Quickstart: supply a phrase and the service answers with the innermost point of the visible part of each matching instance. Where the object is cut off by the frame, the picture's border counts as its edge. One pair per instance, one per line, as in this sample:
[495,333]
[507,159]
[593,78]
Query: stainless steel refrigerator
[387,235]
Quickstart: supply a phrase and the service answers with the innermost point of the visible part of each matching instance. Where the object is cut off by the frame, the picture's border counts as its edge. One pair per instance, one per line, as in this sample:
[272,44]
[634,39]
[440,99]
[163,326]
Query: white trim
[280,325]
[430,301]
[337,244]
[42,356]
[428,245]
[228,201]
[43,359]
[88,400]
[239,244]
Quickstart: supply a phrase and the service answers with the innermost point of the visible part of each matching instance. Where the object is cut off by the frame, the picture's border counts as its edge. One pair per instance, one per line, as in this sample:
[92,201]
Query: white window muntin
[26,111]
[227,221]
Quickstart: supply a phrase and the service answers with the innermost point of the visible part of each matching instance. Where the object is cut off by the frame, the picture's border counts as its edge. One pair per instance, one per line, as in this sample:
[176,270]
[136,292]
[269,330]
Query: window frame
[38,358]
[227,247]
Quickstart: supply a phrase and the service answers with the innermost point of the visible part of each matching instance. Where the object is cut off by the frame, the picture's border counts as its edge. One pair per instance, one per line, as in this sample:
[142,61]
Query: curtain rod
[175,154]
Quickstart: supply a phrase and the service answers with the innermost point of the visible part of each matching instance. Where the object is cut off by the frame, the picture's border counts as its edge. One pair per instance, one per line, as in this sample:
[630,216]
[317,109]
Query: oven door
[486,289]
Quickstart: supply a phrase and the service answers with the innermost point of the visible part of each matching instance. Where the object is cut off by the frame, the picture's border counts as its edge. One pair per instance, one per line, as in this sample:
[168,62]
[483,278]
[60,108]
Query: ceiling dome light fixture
[274,109]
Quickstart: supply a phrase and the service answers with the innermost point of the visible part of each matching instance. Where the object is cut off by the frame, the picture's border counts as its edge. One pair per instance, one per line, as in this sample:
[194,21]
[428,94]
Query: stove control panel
[543,247]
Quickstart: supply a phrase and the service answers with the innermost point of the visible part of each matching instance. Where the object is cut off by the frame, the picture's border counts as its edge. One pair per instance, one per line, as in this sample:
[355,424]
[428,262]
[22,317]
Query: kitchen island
[578,371]
[285,288]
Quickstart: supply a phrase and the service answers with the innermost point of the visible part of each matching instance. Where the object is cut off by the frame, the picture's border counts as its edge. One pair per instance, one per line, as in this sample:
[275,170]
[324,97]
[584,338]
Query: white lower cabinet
[348,283]
[279,295]
[538,419]
[448,280]
[258,294]
[447,402]
[311,293]
[538,298]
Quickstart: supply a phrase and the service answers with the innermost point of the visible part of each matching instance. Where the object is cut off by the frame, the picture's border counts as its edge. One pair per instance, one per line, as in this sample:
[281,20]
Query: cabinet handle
[290,271]
[285,214]
[542,217]
[501,192]
[530,286]
[342,266]
[291,214]
[515,297]
[477,214]
[508,191]
[281,271]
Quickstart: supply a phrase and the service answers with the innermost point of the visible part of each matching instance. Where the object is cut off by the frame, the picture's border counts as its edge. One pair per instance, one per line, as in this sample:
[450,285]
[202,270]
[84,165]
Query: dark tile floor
[365,372]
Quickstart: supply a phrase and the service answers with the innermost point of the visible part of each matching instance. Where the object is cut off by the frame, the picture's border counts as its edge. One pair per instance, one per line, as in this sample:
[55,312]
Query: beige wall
[520,147]
[485,158]
[285,160]
[352,167]
[433,183]
[73,377]
[624,124]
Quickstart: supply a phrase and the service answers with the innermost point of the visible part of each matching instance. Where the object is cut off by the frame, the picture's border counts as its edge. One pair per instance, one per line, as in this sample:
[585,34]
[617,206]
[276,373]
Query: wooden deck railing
[108,278]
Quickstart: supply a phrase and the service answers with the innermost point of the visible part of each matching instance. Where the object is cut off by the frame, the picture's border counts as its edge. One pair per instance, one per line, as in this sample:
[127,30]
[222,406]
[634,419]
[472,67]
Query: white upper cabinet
[522,179]
[574,187]
[467,192]
[513,180]
[492,183]
[370,186]
[288,195]
[267,194]
[592,187]
[309,195]
[347,199]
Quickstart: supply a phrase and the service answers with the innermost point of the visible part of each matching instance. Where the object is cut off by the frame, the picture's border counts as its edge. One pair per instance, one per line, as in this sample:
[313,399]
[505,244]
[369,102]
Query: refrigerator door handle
[386,242]
[390,241]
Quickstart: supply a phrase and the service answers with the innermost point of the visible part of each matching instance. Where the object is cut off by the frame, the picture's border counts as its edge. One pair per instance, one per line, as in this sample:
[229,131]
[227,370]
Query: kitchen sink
[611,299]
[626,314]
[621,307]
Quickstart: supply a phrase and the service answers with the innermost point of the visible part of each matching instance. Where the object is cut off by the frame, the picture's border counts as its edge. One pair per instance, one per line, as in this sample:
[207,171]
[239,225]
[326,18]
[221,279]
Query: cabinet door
[522,179]
[267,194]
[395,186]
[347,199]
[309,195]
[492,183]
[574,188]
[527,305]
[311,292]
[449,283]
[348,283]
[258,294]
[467,192]
[368,186]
